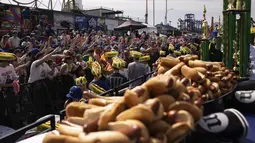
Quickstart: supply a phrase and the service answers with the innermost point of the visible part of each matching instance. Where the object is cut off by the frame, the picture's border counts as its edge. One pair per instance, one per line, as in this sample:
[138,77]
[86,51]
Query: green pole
[246,39]
[225,33]
[225,37]
[238,33]
[205,49]
[241,65]
[231,32]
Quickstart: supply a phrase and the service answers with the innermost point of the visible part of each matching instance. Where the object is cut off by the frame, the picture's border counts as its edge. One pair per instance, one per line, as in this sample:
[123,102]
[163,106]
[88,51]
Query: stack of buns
[154,112]
[206,80]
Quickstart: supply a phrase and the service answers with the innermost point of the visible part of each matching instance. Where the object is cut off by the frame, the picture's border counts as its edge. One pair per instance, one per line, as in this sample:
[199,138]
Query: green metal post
[205,49]
[231,33]
[241,66]
[246,39]
[225,33]
[238,33]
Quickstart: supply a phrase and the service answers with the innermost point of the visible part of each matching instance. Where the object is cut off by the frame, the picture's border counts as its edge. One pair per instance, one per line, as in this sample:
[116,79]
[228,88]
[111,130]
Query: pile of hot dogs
[204,80]
[150,113]
[164,109]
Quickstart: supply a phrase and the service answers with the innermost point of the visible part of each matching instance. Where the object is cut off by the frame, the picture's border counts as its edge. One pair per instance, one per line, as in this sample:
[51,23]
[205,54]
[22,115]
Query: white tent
[148,29]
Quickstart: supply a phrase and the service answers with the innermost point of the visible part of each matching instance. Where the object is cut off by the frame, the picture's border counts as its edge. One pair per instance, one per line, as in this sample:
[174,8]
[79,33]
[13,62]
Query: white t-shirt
[252,58]
[14,42]
[38,72]
[56,71]
[7,74]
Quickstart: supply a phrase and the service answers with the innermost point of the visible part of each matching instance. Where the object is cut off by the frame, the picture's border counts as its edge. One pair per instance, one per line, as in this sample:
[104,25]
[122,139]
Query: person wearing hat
[8,88]
[136,68]
[82,83]
[103,59]
[75,94]
[145,59]
[116,78]
[162,53]
[100,84]
[108,65]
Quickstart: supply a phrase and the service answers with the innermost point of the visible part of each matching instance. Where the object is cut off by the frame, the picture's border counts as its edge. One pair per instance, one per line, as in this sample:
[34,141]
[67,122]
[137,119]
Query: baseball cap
[75,93]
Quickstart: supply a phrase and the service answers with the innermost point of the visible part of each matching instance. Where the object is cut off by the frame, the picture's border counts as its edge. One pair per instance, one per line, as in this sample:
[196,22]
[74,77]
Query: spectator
[136,69]
[68,66]
[26,13]
[116,79]
[82,83]
[52,66]
[14,40]
[7,95]
[80,62]
[25,43]
[38,72]
[5,43]
[145,60]
[75,94]
[100,84]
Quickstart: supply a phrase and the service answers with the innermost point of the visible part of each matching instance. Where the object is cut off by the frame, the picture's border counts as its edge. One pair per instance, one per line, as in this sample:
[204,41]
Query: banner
[81,23]
[111,24]
[92,22]
[63,20]
[11,17]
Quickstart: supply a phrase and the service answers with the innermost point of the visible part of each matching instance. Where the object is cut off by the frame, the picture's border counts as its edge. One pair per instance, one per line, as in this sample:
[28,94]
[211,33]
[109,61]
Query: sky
[136,8]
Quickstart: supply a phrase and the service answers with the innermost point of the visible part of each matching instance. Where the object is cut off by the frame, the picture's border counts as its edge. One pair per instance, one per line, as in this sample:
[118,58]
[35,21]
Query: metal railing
[115,91]
[13,137]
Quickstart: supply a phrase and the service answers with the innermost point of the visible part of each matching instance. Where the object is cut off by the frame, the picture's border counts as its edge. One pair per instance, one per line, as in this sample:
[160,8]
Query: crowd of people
[50,65]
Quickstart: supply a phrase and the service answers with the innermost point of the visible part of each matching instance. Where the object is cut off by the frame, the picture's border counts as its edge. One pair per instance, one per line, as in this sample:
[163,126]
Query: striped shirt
[116,79]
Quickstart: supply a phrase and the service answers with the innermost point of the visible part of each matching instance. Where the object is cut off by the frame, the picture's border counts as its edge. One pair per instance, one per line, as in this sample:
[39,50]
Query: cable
[23,3]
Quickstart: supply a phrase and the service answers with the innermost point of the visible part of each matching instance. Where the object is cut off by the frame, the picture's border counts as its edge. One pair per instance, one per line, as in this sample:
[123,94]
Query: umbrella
[130,25]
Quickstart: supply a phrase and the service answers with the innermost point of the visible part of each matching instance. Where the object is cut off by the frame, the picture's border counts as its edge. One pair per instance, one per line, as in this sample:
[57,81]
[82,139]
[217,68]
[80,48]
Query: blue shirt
[103,83]
[26,14]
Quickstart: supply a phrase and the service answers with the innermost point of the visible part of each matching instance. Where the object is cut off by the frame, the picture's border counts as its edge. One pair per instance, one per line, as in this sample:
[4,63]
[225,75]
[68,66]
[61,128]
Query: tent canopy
[148,29]
[130,25]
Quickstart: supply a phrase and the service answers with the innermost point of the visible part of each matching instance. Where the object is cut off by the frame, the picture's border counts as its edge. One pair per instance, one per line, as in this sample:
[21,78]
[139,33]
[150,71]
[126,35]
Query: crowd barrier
[27,104]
